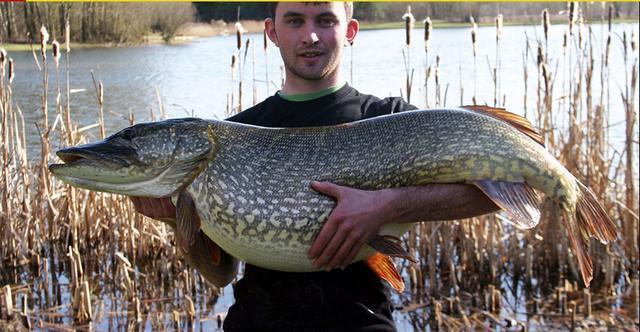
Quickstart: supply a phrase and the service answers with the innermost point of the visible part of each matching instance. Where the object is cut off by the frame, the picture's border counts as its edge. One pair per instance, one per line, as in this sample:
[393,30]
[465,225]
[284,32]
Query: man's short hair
[348,8]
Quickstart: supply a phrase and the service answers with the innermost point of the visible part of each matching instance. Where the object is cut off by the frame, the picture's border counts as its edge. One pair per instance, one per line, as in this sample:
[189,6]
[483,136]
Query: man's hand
[156,208]
[357,217]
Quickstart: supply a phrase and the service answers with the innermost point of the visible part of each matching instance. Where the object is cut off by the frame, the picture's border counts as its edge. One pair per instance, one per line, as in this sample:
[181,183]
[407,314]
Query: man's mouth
[310,54]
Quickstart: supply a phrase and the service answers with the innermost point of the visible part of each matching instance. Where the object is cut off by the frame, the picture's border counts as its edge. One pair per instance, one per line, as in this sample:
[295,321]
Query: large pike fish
[247,187]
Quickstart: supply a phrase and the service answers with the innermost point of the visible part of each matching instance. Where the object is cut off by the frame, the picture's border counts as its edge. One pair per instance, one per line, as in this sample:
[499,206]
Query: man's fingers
[325,235]
[340,257]
[329,250]
[326,188]
[353,254]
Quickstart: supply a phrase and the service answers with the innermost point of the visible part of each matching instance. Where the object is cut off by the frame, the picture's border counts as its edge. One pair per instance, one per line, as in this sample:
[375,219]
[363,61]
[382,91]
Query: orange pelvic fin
[385,268]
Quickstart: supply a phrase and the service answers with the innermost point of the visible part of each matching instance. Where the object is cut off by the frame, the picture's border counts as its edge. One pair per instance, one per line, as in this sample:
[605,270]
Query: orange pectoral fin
[385,268]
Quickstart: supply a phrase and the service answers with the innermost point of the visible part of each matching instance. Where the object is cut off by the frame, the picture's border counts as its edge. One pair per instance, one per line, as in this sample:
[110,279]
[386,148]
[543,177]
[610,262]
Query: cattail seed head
[67,36]
[540,59]
[409,21]
[44,38]
[607,50]
[474,32]
[610,16]
[498,27]
[564,39]
[264,40]
[11,71]
[239,31]
[428,28]
[581,33]
[546,22]
[3,56]
[55,46]
[100,93]
[573,8]
[634,41]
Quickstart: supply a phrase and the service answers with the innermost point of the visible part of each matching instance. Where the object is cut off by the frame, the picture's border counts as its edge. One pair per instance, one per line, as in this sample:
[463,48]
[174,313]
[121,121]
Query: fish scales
[278,219]
[250,185]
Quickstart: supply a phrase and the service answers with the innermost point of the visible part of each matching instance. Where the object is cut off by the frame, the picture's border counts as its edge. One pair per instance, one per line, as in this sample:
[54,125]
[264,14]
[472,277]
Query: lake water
[195,78]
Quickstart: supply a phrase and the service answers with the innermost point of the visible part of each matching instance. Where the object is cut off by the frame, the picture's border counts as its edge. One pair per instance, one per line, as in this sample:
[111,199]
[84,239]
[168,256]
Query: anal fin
[187,221]
[390,246]
[519,200]
[383,267]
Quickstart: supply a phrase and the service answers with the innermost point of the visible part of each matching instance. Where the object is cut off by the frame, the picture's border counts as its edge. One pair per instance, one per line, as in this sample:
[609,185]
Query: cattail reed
[409,21]
[55,50]
[496,71]
[573,9]
[428,30]
[546,23]
[474,45]
[265,44]
[44,38]
[239,32]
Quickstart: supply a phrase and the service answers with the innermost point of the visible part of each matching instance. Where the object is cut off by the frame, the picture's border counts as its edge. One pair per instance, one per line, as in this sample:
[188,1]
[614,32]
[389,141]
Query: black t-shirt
[352,299]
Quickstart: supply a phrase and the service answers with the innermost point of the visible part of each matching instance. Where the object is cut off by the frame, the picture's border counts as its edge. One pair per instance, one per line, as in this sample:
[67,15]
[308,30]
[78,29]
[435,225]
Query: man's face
[311,37]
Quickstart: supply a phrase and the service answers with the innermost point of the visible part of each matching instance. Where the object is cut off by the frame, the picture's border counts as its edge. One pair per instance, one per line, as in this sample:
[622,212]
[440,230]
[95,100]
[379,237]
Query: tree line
[129,23]
[446,11]
[92,22]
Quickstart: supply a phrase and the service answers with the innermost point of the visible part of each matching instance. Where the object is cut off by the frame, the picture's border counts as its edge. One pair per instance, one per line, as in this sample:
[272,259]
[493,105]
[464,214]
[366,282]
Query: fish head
[154,159]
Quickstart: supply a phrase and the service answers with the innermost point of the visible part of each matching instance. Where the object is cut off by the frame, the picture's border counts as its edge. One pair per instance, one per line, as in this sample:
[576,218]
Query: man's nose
[311,38]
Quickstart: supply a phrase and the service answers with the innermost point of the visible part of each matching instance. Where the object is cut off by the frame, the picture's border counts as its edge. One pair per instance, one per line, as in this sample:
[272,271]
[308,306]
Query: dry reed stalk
[234,65]
[587,302]
[474,45]
[437,80]
[254,79]
[498,65]
[409,20]
[8,302]
[239,32]
[428,31]
[265,45]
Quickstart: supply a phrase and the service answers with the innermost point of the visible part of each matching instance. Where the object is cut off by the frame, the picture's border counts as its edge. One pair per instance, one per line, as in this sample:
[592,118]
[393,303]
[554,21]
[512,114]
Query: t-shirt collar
[312,95]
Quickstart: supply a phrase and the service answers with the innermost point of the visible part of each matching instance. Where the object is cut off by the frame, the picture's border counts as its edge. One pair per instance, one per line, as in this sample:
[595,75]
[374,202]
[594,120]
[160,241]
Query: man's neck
[295,85]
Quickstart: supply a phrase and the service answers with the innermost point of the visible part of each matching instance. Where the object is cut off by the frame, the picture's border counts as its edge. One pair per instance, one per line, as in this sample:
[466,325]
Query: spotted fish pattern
[254,197]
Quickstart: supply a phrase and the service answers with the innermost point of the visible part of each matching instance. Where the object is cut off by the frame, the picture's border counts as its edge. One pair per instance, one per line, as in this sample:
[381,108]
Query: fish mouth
[94,166]
[105,155]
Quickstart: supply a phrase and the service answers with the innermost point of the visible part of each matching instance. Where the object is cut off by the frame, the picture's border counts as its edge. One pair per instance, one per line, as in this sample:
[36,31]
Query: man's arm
[359,215]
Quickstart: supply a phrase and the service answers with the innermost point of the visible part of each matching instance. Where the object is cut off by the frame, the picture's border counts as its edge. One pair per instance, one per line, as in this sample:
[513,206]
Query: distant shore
[191,31]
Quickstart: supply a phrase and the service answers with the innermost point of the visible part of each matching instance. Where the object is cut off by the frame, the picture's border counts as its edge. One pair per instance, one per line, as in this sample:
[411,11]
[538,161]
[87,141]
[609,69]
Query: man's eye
[294,21]
[326,22]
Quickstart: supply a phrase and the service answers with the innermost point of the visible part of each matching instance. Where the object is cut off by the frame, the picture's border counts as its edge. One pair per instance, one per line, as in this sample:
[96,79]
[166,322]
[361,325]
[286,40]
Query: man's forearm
[435,202]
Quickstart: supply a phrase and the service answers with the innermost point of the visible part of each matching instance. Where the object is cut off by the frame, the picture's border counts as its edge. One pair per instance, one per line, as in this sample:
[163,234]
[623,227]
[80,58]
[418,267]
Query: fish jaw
[148,160]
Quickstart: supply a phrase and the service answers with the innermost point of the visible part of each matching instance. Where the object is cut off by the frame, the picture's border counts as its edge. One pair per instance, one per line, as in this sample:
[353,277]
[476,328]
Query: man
[311,38]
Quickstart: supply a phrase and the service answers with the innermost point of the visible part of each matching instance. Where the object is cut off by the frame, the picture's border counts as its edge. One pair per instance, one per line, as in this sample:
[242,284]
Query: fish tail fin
[591,220]
[384,267]
[592,217]
[579,240]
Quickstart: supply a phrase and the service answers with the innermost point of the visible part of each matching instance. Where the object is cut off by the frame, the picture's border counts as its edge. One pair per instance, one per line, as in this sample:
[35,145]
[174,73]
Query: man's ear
[352,30]
[270,28]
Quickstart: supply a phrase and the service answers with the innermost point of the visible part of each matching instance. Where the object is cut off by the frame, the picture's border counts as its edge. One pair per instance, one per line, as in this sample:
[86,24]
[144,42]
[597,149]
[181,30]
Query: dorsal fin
[517,121]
